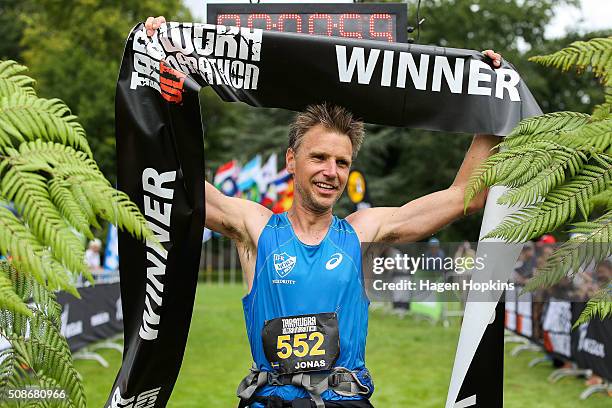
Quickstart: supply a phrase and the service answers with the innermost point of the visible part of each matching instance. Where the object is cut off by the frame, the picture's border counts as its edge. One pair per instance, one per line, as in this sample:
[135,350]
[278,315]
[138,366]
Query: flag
[111,253]
[267,174]
[249,173]
[285,200]
[276,188]
[251,193]
[226,176]
[208,234]
[281,182]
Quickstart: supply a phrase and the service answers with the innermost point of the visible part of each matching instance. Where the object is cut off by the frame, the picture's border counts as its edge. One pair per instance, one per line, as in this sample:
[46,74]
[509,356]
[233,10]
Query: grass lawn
[410,360]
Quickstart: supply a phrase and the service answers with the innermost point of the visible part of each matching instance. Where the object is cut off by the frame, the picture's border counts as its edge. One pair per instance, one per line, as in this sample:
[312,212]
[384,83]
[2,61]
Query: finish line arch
[161,166]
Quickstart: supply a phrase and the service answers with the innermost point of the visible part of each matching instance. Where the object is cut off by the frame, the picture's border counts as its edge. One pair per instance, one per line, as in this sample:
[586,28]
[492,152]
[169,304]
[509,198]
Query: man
[306,311]
[434,255]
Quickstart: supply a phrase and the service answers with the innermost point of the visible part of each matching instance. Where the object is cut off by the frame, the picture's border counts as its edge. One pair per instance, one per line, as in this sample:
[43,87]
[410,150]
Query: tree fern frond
[608,95]
[596,136]
[10,369]
[22,283]
[591,242]
[560,205]
[55,154]
[12,81]
[31,197]
[25,118]
[51,361]
[9,300]
[603,200]
[81,197]
[532,190]
[528,167]
[603,111]
[30,256]
[116,207]
[69,208]
[47,171]
[550,123]
[509,168]
[492,170]
[600,306]
[595,53]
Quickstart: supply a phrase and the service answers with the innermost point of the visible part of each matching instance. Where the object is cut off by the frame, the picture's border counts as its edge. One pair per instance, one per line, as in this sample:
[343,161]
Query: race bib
[296,344]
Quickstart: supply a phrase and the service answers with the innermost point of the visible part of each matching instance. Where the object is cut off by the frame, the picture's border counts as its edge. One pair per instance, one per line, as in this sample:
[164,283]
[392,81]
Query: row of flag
[257,181]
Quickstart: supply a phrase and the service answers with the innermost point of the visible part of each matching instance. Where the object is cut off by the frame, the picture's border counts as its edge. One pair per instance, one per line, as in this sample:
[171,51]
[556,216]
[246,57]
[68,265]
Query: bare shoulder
[367,222]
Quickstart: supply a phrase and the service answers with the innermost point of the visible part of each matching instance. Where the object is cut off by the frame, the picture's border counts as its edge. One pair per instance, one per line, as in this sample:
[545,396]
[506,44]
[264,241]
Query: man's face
[320,167]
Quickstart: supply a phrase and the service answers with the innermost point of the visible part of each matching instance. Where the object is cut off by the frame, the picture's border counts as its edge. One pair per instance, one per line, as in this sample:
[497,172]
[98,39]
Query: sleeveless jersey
[308,279]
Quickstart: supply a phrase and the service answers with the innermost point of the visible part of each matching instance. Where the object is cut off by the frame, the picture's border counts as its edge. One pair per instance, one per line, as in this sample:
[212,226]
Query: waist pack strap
[341,380]
[315,387]
[250,384]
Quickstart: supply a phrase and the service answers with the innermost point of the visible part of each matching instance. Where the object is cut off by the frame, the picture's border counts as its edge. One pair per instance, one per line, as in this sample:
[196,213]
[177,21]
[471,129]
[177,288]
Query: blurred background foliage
[74,49]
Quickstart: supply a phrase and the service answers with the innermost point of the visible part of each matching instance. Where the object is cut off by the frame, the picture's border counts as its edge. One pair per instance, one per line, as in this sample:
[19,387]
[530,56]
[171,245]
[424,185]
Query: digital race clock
[382,21]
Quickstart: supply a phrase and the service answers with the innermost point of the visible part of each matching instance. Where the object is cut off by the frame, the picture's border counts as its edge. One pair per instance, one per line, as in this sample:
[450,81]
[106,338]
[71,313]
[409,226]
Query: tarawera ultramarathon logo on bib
[302,343]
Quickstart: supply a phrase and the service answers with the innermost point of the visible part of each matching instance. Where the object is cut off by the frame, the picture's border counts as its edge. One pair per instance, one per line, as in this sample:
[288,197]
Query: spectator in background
[603,274]
[400,298]
[526,264]
[434,256]
[465,251]
[92,256]
[593,281]
[462,255]
[545,245]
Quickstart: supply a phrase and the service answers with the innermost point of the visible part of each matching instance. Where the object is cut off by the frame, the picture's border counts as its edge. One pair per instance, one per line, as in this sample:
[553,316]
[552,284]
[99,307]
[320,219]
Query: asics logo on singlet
[284,263]
[334,261]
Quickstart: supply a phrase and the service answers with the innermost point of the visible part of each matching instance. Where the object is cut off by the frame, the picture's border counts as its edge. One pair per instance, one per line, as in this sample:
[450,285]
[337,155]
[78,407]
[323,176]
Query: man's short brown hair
[333,117]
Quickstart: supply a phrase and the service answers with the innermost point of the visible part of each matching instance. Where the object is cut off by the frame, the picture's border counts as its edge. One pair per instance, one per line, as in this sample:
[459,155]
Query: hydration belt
[341,380]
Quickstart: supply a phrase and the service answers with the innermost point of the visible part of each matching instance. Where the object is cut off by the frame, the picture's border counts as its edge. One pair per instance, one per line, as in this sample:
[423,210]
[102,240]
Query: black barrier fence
[548,322]
[96,316]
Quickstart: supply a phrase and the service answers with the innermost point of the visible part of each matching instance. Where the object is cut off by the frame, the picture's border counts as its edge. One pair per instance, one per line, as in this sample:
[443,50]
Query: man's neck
[310,226]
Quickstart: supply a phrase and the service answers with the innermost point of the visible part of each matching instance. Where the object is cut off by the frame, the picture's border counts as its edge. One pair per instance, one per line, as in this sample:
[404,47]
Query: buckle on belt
[274,378]
[334,379]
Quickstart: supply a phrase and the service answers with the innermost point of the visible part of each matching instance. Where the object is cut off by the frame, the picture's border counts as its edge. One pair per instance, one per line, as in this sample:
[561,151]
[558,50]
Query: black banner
[484,382]
[160,156]
[160,146]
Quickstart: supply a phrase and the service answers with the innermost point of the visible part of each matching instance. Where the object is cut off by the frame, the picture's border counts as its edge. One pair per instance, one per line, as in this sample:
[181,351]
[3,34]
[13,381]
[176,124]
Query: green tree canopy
[74,49]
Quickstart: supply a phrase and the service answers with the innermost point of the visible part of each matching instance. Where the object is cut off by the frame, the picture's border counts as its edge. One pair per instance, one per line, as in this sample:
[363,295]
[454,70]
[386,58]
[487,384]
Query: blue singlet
[308,279]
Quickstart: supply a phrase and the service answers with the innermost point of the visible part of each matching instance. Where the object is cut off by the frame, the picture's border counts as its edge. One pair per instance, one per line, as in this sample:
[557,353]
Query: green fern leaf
[24,117]
[30,256]
[550,123]
[600,306]
[560,205]
[595,53]
[9,300]
[12,81]
[591,242]
[31,197]
[529,191]
[598,135]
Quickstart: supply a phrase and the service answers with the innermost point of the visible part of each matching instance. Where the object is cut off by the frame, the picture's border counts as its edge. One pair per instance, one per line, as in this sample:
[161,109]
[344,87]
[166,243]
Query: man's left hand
[495,57]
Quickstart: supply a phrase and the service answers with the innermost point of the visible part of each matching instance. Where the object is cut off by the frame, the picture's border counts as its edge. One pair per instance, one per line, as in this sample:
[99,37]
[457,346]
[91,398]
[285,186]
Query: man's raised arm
[424,216]
[236,218]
